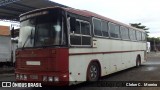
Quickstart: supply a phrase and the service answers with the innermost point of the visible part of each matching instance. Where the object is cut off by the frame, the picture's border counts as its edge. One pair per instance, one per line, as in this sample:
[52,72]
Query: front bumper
[44,77]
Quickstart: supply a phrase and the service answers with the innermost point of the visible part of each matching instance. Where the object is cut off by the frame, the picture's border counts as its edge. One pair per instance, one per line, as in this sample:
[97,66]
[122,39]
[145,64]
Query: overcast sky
[146,12]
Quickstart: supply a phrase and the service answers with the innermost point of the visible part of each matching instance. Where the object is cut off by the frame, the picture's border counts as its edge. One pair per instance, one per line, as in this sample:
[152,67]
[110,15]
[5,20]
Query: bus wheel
[93,72]
[138,61]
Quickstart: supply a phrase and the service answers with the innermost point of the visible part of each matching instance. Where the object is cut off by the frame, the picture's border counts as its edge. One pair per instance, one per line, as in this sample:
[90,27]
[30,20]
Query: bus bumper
[46,78]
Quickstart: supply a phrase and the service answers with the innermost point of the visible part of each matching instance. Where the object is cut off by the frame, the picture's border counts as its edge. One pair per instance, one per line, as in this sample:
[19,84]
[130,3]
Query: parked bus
[68,46]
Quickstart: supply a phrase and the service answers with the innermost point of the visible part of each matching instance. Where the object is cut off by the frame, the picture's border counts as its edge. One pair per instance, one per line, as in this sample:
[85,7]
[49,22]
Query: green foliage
[140,26]
[155,42]
[152,39]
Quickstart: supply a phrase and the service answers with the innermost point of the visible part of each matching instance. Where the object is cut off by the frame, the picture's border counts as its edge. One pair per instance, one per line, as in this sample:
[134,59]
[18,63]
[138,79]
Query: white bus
[66,44]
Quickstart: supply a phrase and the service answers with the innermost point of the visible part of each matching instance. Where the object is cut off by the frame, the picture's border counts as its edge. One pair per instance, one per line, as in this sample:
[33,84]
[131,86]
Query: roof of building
[11,9]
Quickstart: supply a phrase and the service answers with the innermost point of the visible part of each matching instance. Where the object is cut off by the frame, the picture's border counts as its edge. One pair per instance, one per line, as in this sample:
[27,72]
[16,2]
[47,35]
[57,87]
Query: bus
[67,46]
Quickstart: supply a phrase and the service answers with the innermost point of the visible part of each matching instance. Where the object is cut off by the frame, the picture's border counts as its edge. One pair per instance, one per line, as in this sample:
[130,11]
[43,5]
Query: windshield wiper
[29,36]
[25,41]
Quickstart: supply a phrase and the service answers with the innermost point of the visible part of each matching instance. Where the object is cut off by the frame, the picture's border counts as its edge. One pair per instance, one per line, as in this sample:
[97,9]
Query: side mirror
[12,32]
[73,23]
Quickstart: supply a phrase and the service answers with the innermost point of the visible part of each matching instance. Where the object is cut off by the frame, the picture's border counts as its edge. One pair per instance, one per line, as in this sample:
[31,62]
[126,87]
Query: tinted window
[86,40]
[143,36]
[124,33]
[75,40]
[82,34]
[97,27]
[114,30]
[117,31]
[77,27]
[104,29]
[85,28]
[138,35]
[132,34]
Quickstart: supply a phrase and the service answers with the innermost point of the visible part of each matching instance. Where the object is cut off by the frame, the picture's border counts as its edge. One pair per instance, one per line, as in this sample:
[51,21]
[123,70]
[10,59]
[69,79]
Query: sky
[146,12]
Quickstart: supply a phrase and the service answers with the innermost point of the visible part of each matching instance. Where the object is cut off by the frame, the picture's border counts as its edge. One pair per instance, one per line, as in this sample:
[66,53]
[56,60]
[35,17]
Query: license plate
[33,76]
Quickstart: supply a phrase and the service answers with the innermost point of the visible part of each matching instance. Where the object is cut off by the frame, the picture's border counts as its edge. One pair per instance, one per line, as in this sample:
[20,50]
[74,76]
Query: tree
[155,42]
[140,26]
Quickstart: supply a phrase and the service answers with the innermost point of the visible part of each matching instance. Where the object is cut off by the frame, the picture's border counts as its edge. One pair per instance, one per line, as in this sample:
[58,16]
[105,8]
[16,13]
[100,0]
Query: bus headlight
[21,77]
[17,76]
[50,79]
[56,79]
[44,78]
[25,77]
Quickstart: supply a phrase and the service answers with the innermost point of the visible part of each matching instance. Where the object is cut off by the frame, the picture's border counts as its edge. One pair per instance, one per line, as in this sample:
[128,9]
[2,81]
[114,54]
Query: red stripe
[110,52]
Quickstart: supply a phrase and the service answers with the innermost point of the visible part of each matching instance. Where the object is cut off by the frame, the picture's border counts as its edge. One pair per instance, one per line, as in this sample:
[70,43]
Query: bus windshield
[44,30]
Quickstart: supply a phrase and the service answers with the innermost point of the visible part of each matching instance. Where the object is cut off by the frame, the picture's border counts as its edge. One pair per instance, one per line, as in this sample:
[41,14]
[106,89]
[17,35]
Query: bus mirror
[12,32]
[73,23]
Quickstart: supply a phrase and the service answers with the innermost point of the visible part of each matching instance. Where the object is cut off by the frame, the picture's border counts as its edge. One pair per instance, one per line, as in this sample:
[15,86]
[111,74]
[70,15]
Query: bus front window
[46,31]
[48,34]
[27,28]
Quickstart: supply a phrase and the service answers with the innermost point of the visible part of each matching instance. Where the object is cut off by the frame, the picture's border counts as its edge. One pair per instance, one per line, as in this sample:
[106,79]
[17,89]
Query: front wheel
[93,72]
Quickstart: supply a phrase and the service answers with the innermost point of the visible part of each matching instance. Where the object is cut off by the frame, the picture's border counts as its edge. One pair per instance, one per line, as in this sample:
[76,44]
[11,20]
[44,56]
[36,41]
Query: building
[5,46]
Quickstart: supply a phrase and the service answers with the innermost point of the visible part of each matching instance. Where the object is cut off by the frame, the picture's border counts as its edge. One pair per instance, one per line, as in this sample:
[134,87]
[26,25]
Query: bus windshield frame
[43,30]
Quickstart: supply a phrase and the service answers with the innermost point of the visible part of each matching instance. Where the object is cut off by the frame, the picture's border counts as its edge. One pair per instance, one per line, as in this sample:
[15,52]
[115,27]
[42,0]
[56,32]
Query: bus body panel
[113,56]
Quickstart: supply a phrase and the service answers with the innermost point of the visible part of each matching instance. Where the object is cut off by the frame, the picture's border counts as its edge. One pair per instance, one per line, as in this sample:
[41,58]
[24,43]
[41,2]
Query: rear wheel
[93,72]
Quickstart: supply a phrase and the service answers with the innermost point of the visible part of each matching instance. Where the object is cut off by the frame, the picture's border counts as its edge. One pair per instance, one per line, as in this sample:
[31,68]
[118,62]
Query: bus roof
[86,14]
[91,14]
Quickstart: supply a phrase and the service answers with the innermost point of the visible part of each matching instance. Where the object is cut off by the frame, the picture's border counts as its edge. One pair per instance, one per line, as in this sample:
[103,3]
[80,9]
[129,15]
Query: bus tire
[93,71]
[138,61]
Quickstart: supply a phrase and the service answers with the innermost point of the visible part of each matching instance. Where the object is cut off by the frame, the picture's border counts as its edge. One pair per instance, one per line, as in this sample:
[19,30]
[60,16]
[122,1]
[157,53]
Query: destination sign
[33,15]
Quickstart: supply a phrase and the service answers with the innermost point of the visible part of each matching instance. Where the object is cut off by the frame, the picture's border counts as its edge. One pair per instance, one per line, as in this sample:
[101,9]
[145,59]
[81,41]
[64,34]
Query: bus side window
[114,30]
[105,29]
[143,36]
[75,38]
[124,33]
[138,35]
[132,34]
[85,31]
[73,23]
[97,27]
[82,34]
[77,31]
